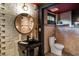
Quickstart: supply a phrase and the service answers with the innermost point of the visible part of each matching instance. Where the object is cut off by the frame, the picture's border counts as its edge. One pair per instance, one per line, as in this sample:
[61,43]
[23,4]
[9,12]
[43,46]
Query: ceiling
[63,7]
[38,4]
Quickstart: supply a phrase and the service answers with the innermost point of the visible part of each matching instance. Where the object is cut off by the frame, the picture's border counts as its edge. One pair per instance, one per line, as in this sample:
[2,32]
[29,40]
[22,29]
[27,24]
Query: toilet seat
[59,46]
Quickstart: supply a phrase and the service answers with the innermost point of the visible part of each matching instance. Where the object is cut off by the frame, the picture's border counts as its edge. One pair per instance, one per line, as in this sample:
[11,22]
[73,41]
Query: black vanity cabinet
[29,46]
[25,25]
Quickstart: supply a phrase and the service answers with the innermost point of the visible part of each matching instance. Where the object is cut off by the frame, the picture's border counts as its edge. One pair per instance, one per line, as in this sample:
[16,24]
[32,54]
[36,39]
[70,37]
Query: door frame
[41,25]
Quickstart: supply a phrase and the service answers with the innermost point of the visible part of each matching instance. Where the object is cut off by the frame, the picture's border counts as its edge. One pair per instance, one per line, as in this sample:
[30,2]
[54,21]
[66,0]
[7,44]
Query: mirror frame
[24,14]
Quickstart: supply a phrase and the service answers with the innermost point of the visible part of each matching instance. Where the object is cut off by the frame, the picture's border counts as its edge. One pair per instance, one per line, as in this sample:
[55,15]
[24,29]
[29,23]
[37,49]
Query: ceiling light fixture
[54,9]
[25,7]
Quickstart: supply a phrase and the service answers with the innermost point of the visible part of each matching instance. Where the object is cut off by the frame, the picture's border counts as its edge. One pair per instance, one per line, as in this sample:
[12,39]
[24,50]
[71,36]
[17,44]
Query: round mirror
[24,23]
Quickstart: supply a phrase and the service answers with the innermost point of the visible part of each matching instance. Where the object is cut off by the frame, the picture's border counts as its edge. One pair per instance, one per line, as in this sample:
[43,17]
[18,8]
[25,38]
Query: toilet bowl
[56,48]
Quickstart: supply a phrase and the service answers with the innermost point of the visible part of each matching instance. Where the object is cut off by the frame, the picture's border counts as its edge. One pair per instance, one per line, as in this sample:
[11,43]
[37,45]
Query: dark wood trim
[41,33]
[50,11]
[47,5]
[41,26]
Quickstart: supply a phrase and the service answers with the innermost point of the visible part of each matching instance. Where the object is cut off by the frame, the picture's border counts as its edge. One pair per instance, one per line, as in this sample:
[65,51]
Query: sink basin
[31,41]
[23,42]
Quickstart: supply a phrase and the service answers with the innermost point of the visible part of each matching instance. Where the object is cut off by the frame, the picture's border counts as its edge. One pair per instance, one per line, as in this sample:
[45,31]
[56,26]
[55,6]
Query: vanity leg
[27,51]
[31,52]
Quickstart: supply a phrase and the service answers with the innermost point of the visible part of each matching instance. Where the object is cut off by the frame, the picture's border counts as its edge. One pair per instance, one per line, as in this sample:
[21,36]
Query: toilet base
[56,52]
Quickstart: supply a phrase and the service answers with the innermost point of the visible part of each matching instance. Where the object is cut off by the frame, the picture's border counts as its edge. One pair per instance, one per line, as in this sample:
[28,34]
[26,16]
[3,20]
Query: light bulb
[54,9]
[25,7]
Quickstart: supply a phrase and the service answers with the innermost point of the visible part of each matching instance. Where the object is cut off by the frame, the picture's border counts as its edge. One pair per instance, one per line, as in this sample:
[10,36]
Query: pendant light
[25,7]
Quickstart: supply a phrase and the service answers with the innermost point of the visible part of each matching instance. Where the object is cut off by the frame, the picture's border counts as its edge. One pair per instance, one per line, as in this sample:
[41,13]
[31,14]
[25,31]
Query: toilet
[56,48]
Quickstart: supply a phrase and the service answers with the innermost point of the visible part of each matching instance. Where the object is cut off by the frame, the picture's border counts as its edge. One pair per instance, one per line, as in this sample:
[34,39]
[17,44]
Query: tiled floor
[51,54]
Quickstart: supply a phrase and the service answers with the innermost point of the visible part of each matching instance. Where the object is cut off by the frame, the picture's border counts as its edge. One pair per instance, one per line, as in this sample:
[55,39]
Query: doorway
[43,13]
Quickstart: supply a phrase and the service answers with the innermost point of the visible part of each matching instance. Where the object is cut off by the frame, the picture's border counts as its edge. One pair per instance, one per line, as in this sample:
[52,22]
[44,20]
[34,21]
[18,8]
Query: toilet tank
[51,40]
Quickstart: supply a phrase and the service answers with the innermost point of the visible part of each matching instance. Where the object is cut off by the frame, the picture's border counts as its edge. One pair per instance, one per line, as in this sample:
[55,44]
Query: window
[51,19]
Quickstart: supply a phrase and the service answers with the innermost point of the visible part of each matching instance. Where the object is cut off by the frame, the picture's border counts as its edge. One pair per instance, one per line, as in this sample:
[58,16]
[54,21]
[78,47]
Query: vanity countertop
[31,44]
